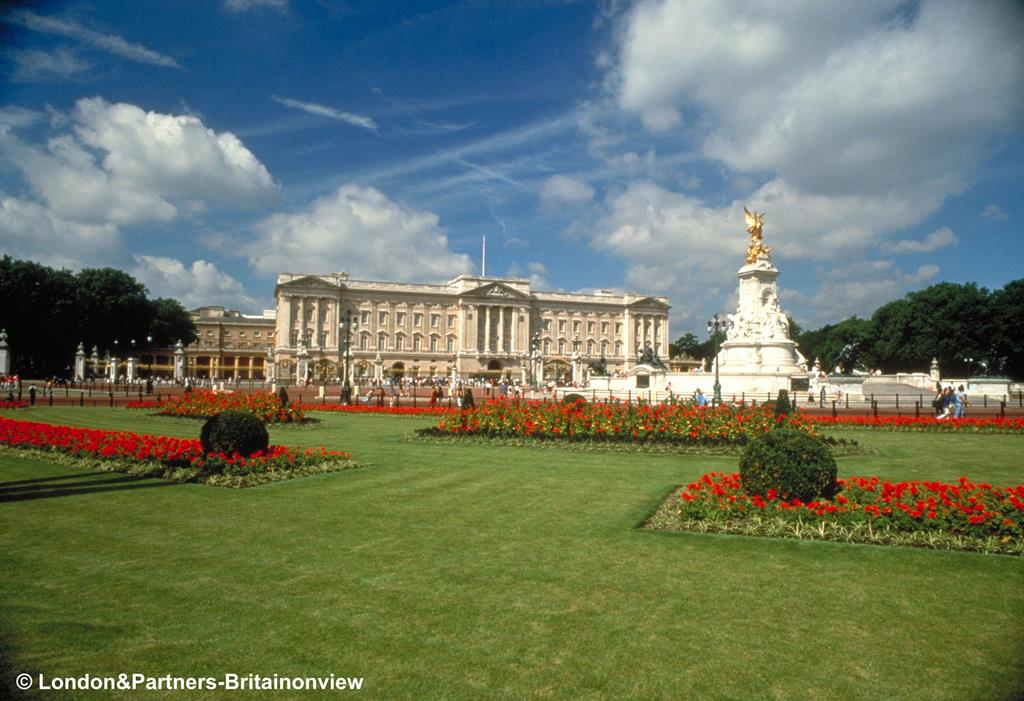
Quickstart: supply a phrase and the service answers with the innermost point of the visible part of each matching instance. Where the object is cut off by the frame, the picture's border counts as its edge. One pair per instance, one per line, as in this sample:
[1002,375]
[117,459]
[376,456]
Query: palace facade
[470,327]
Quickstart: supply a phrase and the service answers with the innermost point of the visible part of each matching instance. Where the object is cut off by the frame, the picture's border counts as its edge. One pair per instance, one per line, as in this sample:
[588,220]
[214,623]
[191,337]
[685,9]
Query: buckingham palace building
[483,327]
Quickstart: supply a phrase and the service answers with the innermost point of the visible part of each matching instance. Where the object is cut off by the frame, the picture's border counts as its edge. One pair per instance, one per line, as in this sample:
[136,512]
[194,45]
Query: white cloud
[361,231]
[30,231]
[329,112]
[561,189]
[832,98]
[243,5]
[124,165]
[994,212]
[940,238]
[34,65]
[861,287]
[111,43]
[195,285]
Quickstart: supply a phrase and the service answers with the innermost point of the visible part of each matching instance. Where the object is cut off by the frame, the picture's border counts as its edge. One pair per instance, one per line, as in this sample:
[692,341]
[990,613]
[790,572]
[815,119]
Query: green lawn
[469,572]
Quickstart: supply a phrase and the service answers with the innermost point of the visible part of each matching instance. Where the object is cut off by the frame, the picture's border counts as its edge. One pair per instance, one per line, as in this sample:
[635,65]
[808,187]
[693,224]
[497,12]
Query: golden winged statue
[756,246]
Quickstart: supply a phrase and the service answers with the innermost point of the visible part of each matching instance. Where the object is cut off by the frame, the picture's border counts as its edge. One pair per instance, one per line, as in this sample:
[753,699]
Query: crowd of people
[949,403]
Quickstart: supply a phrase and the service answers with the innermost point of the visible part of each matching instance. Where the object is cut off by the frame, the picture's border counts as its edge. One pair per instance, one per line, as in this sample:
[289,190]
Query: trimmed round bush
[234,432]
[793,463]
[574,398]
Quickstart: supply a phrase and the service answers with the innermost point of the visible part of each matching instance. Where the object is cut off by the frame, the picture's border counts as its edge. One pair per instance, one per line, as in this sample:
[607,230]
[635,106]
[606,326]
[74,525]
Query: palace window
[561,346]
[604,328]
[575,327]
[364,318]
[435,319]
[364,342]
[417,342]
[547,346]
[294,339]
[590,327]
[618,328]
[399,342]
[590,347]
[382,341]
[451,321]
[400,318]
[451,344]
[433,343]
[561,326]
[382,319]
[417,319]
[547,324]
[323,339]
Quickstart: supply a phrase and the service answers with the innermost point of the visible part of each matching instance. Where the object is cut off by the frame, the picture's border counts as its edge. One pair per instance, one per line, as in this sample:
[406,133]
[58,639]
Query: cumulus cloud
[848,123]
[940,238]
[125,165]
[110,43]
[561,189]
[195,285]
[329,112]
[861,287]
[30,231]
[361,231]
[994,212]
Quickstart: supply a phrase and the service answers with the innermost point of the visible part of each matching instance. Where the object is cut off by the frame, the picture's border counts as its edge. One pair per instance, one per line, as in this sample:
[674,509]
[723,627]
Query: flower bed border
[177,460]
[666,517]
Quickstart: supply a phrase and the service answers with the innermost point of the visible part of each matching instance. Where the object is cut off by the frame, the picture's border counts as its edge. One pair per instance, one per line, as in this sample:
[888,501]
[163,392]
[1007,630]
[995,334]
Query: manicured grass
[448,571]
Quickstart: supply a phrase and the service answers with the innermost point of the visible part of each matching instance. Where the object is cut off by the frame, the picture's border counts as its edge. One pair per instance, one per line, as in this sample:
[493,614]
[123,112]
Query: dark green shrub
[793,463]
[782,406]
[574,398]
[234,432]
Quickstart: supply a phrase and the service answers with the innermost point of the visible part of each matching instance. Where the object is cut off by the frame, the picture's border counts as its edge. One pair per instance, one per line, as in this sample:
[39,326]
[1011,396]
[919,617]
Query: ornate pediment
[308,283]
[649,303]
[495,291]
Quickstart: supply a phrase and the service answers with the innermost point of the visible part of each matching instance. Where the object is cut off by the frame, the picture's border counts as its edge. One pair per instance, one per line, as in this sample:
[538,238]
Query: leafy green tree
[844,344]
[687,344]
[1006,355]
[947,321]
[171,322]
[47,312]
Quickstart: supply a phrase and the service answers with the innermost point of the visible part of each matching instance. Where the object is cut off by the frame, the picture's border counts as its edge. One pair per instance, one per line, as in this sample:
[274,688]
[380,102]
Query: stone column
[512,331]
[501,329]
[487,329]
[112,368]
[316,322]
[79,364]
[95,359]
[284,321]
[627,345]
[132,363]
[302,319]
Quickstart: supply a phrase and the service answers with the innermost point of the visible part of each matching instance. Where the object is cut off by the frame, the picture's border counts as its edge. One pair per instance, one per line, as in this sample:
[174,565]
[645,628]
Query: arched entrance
[398,370]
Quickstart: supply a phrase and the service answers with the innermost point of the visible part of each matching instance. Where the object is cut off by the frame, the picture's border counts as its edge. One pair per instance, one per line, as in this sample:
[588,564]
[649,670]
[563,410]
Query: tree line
[970,330]
[47,312]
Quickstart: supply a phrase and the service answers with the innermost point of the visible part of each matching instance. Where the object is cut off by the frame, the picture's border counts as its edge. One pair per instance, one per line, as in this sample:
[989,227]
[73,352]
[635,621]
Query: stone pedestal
[112,368]
[757,337]
[133,368]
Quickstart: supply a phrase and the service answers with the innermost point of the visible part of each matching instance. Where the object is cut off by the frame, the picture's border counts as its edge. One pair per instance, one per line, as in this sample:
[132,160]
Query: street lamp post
[347,324]
[969,362]
[715,326]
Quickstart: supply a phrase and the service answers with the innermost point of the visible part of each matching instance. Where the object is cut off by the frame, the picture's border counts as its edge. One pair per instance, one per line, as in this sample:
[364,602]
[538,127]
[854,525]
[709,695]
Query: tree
[688,344]
[1006,355]
[843,344]
[947,321]
[47,312]
[171,323]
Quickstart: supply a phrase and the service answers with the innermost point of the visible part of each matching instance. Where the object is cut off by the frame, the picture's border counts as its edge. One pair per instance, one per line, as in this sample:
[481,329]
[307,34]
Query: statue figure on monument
[756,246]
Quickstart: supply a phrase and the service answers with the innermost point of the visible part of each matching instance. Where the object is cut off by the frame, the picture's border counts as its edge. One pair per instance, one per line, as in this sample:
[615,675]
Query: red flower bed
[910,423]
[165,450]
[617,421]
[13,405]
[204,403]
[966,508]
[373,409]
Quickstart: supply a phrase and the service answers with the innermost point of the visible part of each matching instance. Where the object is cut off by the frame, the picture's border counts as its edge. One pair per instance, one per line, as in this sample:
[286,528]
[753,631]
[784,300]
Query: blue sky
[206,146]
